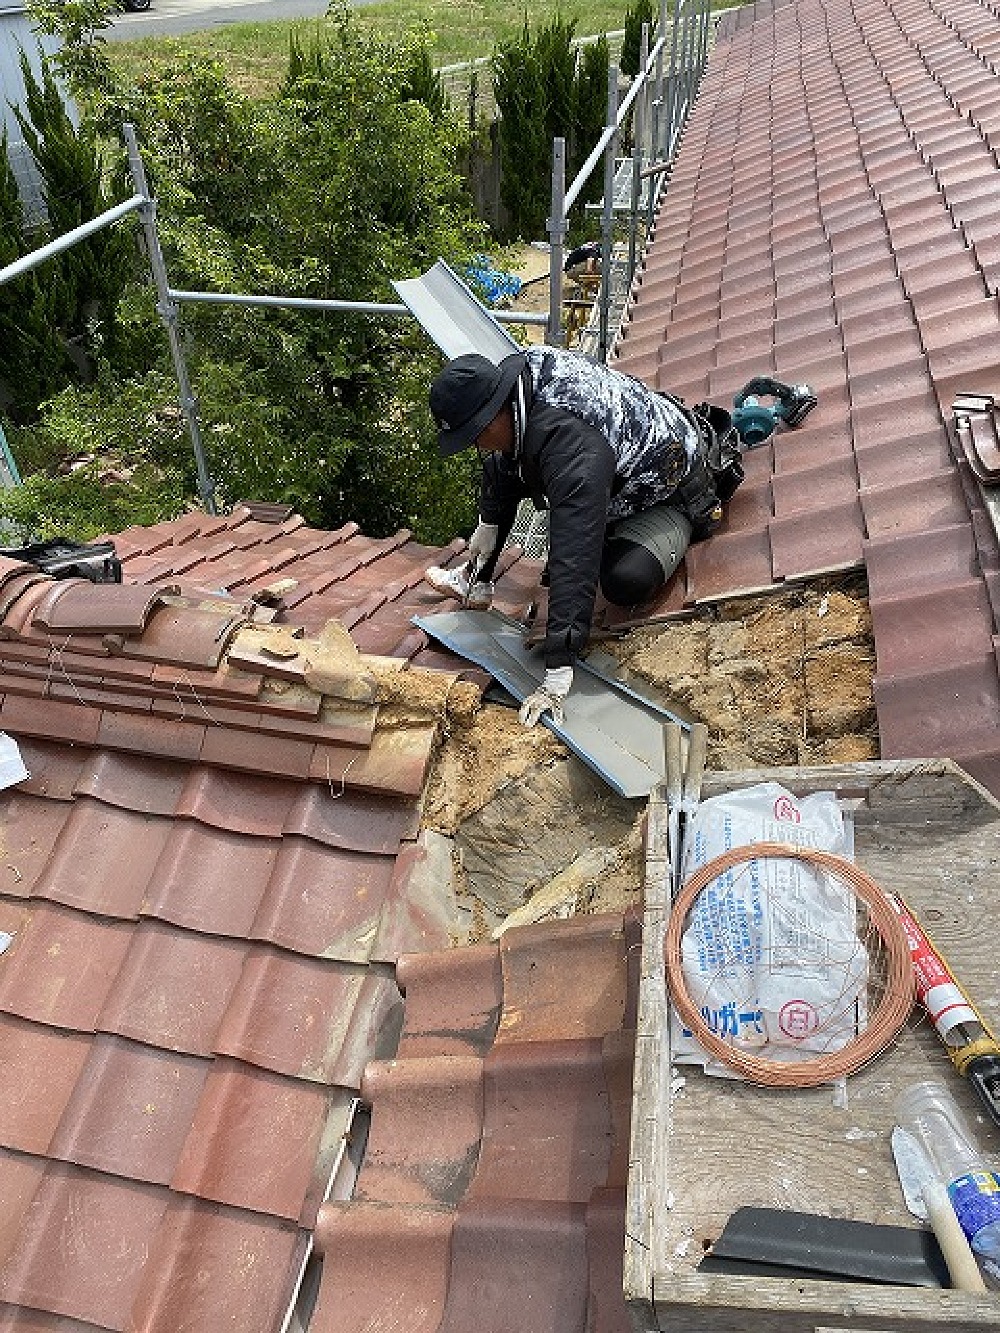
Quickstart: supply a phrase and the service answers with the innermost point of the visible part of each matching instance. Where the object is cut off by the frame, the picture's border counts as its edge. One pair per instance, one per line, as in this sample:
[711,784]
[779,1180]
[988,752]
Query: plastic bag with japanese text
[771,951]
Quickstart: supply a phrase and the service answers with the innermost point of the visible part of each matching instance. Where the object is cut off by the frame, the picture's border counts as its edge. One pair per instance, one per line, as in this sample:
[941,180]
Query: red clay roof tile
[130,1110]
[378,1260]
[534,998]
[520,1156]
[262,1141]
[293,1015]
[322,902]
[41,1066]
[173,988]
[432,983]
[210,1267]
[61,966]
[91,1273]
[427,1124]
[81,605]
[524,1262]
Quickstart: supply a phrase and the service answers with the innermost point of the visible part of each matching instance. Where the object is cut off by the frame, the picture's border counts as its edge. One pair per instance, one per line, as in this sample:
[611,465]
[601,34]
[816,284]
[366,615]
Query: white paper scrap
[12,769]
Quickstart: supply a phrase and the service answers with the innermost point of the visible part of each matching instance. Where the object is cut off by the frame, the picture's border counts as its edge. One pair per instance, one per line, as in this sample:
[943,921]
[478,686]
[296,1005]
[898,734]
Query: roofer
[629,477]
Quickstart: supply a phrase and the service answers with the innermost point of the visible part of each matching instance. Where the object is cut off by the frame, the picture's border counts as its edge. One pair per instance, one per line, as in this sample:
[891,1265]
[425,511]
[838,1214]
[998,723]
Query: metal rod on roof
[672,81]
[557,228]
[638,129]
[44,252]
[332,306]
[583,175]
[608,218]
[656,118]
[166,308]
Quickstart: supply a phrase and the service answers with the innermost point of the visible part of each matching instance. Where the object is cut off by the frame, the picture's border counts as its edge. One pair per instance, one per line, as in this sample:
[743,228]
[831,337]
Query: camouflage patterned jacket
[591,445]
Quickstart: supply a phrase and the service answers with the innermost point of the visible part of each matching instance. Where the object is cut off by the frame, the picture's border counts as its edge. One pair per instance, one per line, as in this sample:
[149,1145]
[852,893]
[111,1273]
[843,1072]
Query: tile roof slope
[492,1192]
[374,587]
[832,218]
[204,877]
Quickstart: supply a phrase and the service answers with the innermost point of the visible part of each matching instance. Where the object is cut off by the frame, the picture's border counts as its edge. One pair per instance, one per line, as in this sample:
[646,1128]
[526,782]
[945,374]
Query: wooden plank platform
[702,1147]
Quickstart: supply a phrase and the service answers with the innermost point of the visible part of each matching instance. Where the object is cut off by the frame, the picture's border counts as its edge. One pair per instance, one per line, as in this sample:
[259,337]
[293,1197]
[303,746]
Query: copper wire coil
[885,1022]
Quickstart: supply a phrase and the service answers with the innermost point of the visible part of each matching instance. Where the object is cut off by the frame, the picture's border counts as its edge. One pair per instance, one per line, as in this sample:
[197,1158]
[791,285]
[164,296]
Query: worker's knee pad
[629,573]
[641,552]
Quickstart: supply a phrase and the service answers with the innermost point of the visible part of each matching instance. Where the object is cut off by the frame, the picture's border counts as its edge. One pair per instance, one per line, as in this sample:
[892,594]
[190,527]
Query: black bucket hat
[468,394]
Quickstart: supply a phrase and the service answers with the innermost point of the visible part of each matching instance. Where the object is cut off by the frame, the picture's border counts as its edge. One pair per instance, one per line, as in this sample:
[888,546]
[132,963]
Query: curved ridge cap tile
[100,608]
[427,1119]
[380,1260]
[184,635]
[524,1263]
[588,954]
[547,1124]
[17,618]
[11,568]
[453,1000]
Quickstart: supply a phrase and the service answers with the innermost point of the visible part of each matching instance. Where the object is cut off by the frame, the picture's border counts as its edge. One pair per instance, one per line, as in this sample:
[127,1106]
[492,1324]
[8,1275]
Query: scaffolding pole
[166,308]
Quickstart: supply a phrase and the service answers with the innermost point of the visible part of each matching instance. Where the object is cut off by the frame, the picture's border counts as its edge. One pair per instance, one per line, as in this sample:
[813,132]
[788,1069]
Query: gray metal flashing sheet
[451,316]
[607,725]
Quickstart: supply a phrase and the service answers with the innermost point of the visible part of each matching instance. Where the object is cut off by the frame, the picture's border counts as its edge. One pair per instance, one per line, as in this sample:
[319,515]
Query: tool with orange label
[971,1045]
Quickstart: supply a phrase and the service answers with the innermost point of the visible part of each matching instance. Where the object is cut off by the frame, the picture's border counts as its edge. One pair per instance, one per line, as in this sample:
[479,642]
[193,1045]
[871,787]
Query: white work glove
[481,544]
[549,696]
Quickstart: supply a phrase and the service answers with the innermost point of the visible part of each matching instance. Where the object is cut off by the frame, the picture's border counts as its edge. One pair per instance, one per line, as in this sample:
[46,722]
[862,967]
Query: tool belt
[716,471]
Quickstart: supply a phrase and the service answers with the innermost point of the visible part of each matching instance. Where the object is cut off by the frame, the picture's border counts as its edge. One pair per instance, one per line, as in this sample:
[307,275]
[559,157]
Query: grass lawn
[254,54]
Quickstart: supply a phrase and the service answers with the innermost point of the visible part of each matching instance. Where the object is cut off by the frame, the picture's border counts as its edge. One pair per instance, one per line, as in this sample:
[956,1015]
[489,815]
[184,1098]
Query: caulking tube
[971,1046]
[937,989]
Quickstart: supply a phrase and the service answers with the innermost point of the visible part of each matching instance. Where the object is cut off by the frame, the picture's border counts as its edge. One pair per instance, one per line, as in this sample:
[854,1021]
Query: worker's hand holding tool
[482,543]
[549,697]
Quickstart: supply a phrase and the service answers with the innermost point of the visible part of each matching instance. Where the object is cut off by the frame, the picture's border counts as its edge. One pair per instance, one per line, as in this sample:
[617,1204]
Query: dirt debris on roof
[784,678]
[780,679]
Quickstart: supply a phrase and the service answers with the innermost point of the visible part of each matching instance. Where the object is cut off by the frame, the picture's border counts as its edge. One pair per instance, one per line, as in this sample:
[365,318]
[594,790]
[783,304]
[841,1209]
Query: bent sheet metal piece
[609,726]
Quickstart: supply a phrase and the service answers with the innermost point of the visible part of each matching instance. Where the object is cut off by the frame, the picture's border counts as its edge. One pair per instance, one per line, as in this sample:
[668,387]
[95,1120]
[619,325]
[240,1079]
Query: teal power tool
[755,420]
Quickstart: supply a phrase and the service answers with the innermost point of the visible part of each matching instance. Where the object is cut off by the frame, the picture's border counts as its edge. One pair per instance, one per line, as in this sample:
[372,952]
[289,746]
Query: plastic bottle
[931,1114]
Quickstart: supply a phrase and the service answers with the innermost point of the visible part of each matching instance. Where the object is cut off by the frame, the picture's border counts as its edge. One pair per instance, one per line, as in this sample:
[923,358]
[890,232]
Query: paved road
[169,17]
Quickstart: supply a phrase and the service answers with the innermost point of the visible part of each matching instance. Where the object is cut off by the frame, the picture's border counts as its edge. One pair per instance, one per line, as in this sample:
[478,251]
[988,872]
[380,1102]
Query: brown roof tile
[381,1259]
[261,1141]
[875,180]
[210,1266]
[293,1015]
[427,1124]
[524,1262]
[95,1275]
[432,982]
[196,874]
[61,966]
[41,1066]
[173,988]
[130,1111]
[520,1156]
[534,1007]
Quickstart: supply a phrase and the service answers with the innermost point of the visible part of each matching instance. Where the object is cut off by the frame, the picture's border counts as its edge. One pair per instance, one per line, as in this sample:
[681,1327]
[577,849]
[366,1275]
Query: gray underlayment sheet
[612,728]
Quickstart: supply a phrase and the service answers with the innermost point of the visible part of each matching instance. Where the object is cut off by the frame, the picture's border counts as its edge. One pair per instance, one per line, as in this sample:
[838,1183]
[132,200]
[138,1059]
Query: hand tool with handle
[971,1046]
[683,780]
